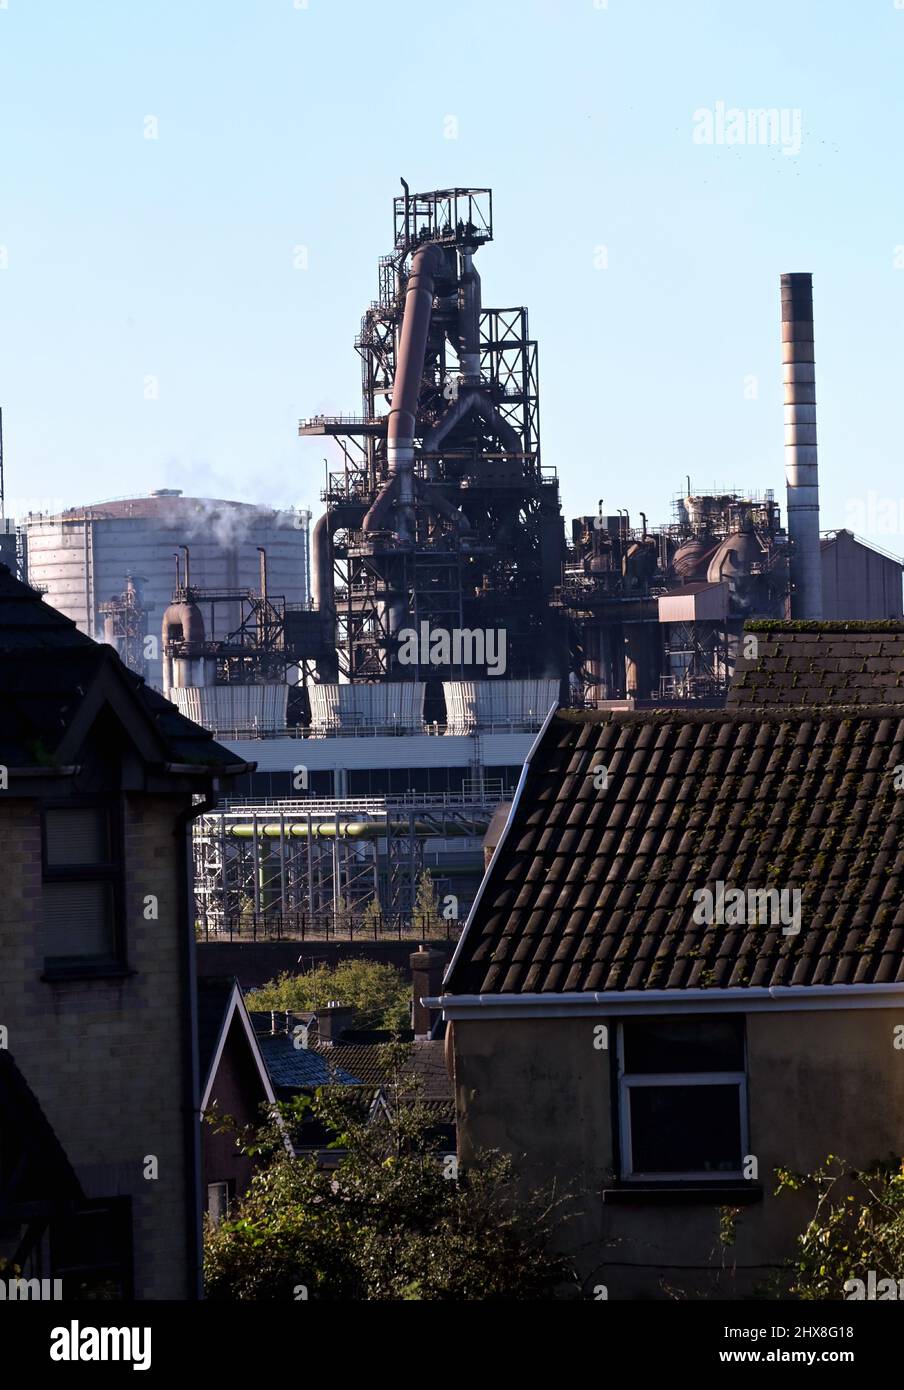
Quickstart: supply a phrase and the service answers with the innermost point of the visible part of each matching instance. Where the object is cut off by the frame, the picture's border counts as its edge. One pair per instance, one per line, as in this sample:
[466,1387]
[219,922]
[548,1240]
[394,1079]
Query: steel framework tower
[441,513]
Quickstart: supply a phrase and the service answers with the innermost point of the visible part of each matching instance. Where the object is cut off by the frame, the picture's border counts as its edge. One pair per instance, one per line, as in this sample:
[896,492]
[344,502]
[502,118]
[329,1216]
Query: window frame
[229,1204]
[111,872]
[627,1080]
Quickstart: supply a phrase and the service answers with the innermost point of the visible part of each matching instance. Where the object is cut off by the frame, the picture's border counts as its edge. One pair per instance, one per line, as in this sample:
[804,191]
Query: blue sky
[172,258]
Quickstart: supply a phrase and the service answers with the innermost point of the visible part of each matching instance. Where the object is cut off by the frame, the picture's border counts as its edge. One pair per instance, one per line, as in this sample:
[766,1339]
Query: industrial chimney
[801,471]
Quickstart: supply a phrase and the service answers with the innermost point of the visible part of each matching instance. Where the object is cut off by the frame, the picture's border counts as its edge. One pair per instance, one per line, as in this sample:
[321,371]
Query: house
[99,781]
[304,1052]
[685,968]
[235,1084]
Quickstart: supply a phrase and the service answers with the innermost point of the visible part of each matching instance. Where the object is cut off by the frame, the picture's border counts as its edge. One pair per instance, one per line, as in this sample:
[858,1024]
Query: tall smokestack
[801,471]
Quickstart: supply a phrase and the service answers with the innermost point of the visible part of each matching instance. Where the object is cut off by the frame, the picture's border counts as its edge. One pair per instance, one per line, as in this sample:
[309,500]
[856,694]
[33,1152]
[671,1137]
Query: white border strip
[612,1003]
[501,841]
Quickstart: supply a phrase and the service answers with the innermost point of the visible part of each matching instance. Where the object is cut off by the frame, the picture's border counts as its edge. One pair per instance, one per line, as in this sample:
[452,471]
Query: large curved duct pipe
[477,403]
[438,503]
[183,622]
[322,565]
[323,596]
[381,505]
[425,266]
[469,321]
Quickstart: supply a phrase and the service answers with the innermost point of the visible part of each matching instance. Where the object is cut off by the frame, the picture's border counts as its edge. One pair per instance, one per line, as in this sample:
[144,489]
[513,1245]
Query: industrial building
[656,613]
[112,566]
[389,704]
[442,518]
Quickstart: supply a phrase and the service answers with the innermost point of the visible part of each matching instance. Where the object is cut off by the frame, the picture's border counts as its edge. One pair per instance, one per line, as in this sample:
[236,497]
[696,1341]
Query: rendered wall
[819,1083]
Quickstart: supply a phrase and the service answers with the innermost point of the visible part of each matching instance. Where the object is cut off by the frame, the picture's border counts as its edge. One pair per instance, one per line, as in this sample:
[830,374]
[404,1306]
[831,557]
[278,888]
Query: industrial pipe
[801,469]
[330,830]
[322,590]
[479,404]
[469,321]
[425,266]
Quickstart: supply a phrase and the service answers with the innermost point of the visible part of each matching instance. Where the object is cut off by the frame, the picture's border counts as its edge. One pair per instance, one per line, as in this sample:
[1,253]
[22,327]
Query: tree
[425,913]
[395,1220]
[857,1226]
[378,992]
[372,918]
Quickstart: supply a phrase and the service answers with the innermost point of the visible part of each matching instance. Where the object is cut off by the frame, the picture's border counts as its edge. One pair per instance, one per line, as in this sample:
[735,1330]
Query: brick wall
[105,1057]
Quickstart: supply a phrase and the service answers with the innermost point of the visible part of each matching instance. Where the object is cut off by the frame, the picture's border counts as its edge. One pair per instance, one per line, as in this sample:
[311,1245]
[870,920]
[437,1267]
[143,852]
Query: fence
[301,926]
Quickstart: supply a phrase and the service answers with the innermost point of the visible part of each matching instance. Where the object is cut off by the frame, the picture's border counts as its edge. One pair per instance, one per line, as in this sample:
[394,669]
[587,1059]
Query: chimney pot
[334,1021]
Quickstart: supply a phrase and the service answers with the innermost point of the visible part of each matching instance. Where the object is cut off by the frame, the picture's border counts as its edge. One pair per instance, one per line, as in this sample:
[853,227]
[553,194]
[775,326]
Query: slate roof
[351,1064]
[844,663]
[47,669]
[592,889]
[293,1068]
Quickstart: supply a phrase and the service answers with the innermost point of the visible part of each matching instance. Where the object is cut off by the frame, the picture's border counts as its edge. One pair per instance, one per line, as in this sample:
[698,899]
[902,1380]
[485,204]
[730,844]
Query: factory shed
[683,971]
[859,580]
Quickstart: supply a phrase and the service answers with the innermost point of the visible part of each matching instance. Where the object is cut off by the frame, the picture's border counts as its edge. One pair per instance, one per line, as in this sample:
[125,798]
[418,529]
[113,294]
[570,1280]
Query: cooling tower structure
[801,468]
[89,561]
[441,522]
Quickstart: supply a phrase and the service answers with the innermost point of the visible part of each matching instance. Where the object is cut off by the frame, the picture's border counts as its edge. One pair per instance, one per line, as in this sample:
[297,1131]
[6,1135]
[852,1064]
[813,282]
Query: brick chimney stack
[427,967]
[333,1022]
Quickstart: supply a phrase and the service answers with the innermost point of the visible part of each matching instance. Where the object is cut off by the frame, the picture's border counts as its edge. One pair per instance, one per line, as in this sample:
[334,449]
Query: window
[91,1250]
[682,1098]
[82,889]
[220,1196]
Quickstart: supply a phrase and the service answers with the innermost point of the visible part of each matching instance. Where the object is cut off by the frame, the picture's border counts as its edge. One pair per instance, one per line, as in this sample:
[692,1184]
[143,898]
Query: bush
[393,1221]
[857,1226]
[379,993]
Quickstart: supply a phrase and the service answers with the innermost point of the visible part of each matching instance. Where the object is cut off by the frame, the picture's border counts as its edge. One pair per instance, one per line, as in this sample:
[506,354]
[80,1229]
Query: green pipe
[346,830]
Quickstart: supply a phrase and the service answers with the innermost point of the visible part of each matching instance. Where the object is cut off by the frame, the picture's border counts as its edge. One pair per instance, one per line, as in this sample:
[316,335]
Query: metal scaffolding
[314,867]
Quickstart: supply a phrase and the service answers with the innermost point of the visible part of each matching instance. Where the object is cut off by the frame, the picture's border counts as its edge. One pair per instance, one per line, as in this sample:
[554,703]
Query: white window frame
[627,1080]
[223,1215]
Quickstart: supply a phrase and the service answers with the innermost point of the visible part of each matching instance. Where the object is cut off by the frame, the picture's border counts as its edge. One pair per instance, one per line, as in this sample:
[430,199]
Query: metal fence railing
[279,926]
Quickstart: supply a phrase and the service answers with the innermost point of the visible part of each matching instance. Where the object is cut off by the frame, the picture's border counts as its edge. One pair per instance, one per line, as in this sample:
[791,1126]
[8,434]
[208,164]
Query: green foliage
[393,1221]
[425,914]
[857,1225]
[379,993]
[819,625]
[372,918]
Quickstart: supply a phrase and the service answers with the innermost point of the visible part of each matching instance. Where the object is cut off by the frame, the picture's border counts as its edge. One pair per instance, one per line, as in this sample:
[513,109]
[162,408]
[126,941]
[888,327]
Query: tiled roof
[47,668]
[821,663]
[352,1064]
[593,889]
[426,1061]
[292,1067]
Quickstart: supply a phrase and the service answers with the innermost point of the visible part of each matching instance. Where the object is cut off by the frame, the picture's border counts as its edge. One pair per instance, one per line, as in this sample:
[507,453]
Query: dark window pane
[91,1250]
[685,1044]
[78,921]
[77,837]
[685,1129]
